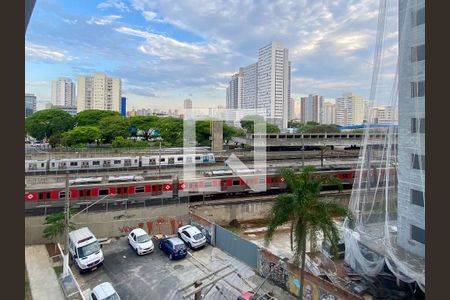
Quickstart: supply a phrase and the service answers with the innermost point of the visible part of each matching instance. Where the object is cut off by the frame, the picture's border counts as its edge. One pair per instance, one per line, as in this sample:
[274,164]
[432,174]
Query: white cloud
[168,48]
[106,20]
[118,4]
[149,15]
[70,22]
[45,53]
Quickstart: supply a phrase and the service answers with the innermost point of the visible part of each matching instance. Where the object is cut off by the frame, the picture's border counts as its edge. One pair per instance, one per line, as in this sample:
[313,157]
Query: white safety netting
[387,221]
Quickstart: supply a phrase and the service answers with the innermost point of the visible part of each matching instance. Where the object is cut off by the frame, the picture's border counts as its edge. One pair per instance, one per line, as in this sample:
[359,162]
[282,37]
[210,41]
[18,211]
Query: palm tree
[305,213]
[56,224]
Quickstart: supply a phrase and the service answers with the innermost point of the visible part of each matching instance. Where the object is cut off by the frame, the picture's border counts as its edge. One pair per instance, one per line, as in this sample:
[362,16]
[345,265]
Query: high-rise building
[123,106]
[188,104]
[411,130]
[329,113]
[312,109]
[99,92]
[297,109]
[63,92]
[236,90]
[30,104]
[349,110]
[250,86]
[273,83]
[291,109]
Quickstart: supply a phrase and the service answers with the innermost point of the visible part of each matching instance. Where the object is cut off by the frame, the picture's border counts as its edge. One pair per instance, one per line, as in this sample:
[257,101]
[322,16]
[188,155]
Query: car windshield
[143,238]
[88,249]
[179,247]
[113,297]
[198,236]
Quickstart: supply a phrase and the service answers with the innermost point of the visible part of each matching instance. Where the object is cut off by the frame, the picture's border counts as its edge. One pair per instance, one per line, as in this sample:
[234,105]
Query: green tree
[92,117]
[248,122]
[144,123]
[48,122]
[306,214]
[322,128]
[112,127]
[56,224]
[229,132]
[171,130]
[203,132]
[271,128]
[81,135]
[55,139]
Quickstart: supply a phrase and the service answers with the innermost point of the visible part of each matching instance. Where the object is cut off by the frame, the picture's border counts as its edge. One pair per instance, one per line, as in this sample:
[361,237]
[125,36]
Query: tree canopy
[81,135]
[92,117]
[112,127]
[45,123]
[248,124]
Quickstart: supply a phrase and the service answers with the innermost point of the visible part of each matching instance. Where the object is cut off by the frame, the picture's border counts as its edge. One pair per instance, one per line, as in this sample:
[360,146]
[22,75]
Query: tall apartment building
[349,110]
[188,104]
[30,104]
[250,86]
[236,90]
[63,92]
[273,83]
[291,109]
[329,113]
[99,92]
[411,132]
[312,109]
[383,115]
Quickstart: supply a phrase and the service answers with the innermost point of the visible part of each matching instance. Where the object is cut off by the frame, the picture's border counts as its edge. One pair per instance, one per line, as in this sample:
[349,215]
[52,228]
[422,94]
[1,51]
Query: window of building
[417,198]
[417,89]
[417,124]
[418,17]
[417,234]
[418,161]
[418,53]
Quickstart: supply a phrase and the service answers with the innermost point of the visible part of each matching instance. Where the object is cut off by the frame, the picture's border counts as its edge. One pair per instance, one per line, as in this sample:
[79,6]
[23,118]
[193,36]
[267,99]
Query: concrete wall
[247,210]
[162,219]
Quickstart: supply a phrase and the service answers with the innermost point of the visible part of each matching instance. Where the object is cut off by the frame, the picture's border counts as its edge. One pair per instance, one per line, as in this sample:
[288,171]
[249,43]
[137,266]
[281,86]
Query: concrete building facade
[30,104]
[236,90]
[188,104]
[250,86]
[349,110]
[329,113]
[411,135]
[273,83]
[63,92]
[99,92]
[312,109]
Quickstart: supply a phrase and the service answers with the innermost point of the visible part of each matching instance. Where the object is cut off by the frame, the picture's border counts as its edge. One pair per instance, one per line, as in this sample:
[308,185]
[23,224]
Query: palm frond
[280,213]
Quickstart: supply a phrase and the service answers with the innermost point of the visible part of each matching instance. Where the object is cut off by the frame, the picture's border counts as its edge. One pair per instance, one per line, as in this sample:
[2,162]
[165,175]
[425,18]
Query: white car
[140,241]
[104,291]
[192,236]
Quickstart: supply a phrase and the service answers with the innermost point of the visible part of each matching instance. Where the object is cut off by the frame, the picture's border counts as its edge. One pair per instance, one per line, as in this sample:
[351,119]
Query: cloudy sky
[169,50]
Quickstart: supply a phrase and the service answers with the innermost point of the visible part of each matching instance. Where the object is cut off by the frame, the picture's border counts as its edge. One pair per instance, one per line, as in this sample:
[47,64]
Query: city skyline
[176,56]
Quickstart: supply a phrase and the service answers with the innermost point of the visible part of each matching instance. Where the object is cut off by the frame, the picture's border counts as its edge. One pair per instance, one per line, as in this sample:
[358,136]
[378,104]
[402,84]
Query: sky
[169,50]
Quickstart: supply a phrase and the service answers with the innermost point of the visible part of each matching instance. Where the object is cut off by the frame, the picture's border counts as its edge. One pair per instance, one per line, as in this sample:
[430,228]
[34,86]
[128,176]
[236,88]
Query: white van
[85,249]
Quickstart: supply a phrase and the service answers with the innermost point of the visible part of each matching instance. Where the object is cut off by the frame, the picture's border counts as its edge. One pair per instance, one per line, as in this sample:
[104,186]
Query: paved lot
[154,276]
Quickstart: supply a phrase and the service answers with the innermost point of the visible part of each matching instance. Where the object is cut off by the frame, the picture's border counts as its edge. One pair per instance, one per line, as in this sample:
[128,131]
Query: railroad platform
[43,281]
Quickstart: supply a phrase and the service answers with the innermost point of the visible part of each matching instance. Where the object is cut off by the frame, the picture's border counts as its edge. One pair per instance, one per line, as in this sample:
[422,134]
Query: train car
[85,180]
[177,159]
[76,164]
[36,166]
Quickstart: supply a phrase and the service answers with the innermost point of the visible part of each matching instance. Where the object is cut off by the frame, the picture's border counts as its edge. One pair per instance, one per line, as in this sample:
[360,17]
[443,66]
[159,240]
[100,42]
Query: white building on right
[329,113]
[312,109]
[349,110]
[411,132]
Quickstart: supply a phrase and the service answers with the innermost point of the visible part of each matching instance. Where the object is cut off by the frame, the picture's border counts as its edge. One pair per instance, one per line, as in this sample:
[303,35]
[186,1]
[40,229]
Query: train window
[74,163]
[139,189]
[96,163]
[62,195]
[32,166]
[103,192]
[117,162]
[135,160]
[197,158]
[180,158]
[236,182]
[262,180]
[152,161]
[208,184]
[53,164]
[157,188]
[41,196]
[85,193]
[163,159]
[42,165]
[188,159]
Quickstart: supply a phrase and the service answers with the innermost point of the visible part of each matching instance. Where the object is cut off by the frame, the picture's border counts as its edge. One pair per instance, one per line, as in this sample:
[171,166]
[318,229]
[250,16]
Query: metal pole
[159,168]
[198,295]
[66,216]
[303,153]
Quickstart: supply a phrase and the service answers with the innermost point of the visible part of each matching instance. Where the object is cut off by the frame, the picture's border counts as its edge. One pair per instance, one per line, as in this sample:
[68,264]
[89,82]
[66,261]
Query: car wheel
[170,256]
[190,245]
[136,250]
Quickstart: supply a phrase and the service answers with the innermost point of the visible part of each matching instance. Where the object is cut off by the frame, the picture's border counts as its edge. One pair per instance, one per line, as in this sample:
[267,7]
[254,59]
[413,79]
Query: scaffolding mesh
[388,196]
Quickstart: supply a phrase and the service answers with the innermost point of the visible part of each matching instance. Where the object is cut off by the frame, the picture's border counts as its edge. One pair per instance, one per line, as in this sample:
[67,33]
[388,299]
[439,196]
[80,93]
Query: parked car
[193,237]
[174,247]
[140,241]
[104,291]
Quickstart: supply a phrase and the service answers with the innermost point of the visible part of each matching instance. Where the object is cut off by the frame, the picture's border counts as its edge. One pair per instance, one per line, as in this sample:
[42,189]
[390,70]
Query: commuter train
[171,188]
[115,163]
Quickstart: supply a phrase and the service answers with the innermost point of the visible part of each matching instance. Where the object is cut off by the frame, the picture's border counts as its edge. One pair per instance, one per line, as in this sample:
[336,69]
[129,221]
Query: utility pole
[67,218]
[159,168]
